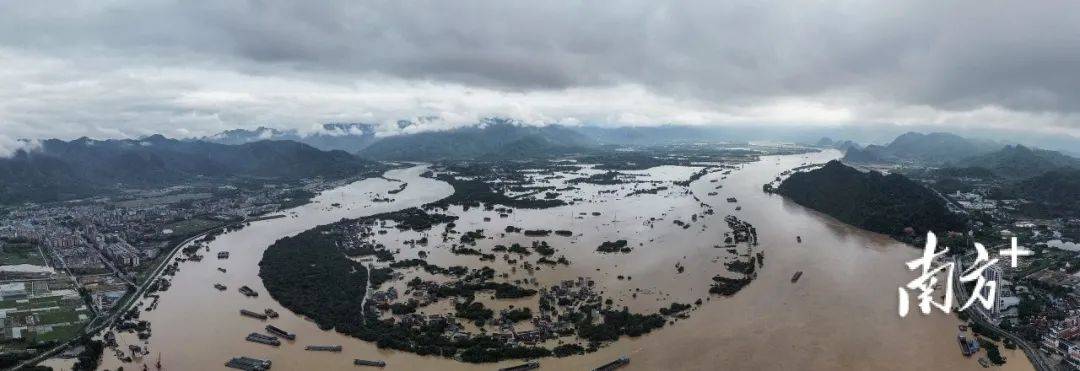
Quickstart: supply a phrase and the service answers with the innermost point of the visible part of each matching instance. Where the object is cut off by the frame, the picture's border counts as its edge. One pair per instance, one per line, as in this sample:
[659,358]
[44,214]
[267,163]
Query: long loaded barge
[522,367]
[622,361]
[248,364]
[245,312]
[364,362]
[323,348]
[256,337]
[279,332]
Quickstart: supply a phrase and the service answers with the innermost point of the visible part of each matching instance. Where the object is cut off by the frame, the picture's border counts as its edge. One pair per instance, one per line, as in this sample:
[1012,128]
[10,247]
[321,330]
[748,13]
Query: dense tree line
[887,204]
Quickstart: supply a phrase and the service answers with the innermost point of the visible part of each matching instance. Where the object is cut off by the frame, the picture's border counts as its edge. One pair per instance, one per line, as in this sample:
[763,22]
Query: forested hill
[1018,161]
[885,204]
[1053,194]
[66,169]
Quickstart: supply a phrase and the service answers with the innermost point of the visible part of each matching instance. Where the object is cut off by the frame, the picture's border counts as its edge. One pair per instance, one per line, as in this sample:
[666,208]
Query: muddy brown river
[841,314]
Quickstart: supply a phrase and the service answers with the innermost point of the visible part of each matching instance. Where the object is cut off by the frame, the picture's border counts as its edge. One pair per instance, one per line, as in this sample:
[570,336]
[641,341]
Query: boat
[247,291]
[522,367]
[279,332]
[323,348]
[270,313]
[221,269]
[732,199]
[223,255]
[967,347]
[798,239]
[620,362]
[158,364]
[245,312]
[796,276]
[256,337]
[364,362]
[737,208]
[248,364]
[219,286]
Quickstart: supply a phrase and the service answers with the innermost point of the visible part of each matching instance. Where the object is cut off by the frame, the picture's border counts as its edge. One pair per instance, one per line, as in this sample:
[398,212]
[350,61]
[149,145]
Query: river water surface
[840,315]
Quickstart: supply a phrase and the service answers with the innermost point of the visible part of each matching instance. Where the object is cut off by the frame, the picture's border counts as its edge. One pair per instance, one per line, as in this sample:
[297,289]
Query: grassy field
[21,253]
[57,333]
[54,317]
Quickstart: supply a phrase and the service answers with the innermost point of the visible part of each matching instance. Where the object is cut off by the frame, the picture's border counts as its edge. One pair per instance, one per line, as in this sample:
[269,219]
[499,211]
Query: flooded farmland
[841,313]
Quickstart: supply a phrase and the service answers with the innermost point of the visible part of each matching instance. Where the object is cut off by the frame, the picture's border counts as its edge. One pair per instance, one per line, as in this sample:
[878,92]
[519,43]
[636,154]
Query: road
[367,291]
[100,322]
[976,314]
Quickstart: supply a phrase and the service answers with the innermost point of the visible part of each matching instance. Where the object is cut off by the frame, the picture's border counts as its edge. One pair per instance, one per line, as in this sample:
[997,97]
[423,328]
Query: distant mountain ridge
[491,139]
[932,148]
[1017,161]
[78,168]
[348,137]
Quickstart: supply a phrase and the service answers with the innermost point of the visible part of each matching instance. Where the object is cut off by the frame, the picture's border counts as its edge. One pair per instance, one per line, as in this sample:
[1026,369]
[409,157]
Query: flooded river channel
[841,314]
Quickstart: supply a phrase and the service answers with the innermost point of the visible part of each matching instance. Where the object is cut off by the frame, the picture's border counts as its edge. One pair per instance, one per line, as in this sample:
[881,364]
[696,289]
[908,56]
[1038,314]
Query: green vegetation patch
[20,253]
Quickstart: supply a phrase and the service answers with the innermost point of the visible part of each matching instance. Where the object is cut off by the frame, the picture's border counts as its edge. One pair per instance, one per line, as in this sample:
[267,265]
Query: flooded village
[691,266]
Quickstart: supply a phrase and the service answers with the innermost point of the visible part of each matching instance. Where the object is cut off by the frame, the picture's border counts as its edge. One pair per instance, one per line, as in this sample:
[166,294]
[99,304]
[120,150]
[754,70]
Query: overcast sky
[191,68]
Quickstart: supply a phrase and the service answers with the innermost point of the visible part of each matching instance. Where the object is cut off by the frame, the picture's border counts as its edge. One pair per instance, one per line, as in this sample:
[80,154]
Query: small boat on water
[221,269]
[620,362]
[219,286]
[798,239]
[271,313]
[796,276]
[522,367]
[967,346]
[364,362]
[247,291]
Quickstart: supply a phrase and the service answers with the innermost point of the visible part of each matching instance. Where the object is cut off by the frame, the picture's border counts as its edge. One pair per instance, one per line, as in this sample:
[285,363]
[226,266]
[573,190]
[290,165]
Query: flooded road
[841,314]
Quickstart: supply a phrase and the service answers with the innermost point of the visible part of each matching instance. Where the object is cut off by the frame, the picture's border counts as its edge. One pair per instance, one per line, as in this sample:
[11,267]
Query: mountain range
[348,137]
[932,148]
[491,139]
[66,169]
[1017,161]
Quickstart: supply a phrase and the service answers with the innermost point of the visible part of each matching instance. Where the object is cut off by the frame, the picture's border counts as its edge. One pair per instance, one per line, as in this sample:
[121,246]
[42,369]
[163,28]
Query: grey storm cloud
[146,64]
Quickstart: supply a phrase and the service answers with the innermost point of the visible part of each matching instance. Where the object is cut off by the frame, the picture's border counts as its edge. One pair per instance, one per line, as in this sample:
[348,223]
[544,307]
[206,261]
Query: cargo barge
[245,312]
[279,332]
[256,337]
[248,364]
[622,361]
[522,367]
[247,291]
[364,362]
[323,348]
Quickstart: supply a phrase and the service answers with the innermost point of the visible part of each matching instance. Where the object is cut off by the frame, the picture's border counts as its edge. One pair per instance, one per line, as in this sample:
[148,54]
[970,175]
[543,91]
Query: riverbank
[841,314]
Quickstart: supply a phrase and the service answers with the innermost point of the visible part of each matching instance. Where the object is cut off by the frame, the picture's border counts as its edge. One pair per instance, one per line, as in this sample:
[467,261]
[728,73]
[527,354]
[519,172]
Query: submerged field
[523,261]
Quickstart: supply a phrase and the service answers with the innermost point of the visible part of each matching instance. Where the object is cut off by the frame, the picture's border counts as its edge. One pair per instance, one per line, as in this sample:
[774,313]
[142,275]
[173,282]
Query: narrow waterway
[841,314]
